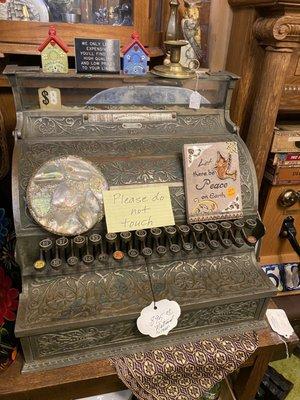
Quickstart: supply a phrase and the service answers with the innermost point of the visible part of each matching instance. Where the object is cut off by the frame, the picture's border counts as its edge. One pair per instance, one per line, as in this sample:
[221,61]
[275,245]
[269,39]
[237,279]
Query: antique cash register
[84,288]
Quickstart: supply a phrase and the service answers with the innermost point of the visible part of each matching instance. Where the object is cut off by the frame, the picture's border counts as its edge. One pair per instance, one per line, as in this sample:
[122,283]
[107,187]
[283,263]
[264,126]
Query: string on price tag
[160,317]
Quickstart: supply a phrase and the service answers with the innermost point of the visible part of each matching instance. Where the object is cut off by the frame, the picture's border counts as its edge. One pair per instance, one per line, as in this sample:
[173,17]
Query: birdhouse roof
[135,36]
[53,39]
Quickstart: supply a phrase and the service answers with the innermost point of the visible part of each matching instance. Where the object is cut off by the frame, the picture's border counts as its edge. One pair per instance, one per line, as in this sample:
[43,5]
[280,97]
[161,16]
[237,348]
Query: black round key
[133,253]
[251,223]
[174,248]
[184,229]
[111,237]
[225,225]
[72,261]
[125,236]
[187,247]
[214,244]
[95,238]
[198,228]
[79,241]
[239,242]
[147,252]
[46,244]
[171,230]
[201,246]
[227,243]
[88,259]
[141,234]
[56,263]
[211,227]
[156,232]
[238,224]
[161,250]
[103,258]
[62,242]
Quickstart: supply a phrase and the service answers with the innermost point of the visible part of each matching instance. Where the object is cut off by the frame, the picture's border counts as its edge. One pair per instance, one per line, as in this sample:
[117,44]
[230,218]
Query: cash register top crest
[81,298]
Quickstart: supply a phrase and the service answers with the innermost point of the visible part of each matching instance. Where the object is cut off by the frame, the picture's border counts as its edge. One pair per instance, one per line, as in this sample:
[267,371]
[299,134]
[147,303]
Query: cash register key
[40,264]
[250,223]
[161,250]
[184,230]
[111,238]
[170,231]
[198,228]
[133,253]
[201,245]
[187,247]
[103,257]
[72,260]
[147,252]
[175,248]
[88,258]
[56,263]
[46,244]
[79,241]
[251,240]
[212,229]
[62,242]
[118,255]
[156,232]
[238,224]
[141,234]
[95,239]
[126,236]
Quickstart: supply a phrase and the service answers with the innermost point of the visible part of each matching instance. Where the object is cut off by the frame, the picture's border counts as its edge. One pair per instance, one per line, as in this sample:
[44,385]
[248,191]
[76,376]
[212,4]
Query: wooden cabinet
[22,37]
[275,250]
[264,50]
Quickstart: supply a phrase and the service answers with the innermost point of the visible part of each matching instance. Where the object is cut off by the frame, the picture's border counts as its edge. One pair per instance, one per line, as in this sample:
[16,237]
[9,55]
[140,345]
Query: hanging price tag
[159,318]
[279,322]
[50,98]
[195,100]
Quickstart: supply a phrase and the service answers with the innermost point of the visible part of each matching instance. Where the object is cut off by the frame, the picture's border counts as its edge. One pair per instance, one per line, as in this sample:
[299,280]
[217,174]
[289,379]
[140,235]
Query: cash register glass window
[88,87]
[100,12]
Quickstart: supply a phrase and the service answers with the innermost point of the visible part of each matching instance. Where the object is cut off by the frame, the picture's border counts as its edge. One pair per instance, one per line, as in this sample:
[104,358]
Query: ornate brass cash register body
[82,293]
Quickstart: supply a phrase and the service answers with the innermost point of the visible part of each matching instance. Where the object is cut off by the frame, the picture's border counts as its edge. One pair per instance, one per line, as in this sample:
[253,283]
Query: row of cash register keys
[171,240]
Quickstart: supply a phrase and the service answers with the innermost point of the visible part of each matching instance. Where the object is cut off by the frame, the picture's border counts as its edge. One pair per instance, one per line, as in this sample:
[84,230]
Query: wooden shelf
[23,37]
[289,293]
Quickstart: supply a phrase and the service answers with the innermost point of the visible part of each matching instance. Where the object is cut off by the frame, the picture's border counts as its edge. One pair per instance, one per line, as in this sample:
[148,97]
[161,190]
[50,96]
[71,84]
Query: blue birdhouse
[135,57]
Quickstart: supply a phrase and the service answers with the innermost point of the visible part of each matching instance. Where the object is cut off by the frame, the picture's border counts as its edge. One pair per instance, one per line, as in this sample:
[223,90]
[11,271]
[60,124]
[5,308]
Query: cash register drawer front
[57,349]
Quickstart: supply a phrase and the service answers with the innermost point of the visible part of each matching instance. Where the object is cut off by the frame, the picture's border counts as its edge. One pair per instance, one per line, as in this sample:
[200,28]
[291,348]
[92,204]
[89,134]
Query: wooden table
[100,377]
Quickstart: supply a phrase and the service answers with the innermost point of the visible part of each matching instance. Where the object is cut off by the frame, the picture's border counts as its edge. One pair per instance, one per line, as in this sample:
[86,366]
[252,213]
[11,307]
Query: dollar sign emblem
[45,95]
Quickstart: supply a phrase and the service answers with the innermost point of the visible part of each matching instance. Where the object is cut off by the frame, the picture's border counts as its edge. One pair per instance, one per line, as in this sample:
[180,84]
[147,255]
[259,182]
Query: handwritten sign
[159,319]
[97,55]
[49,98]
[212,181]
[140,208]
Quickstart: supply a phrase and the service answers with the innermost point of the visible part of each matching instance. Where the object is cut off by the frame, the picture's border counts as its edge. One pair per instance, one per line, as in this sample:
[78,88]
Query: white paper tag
[195,100]
[279,322]
[159,319]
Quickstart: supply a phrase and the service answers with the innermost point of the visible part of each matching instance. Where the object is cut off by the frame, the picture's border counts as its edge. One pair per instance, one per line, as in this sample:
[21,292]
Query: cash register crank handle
[288,231]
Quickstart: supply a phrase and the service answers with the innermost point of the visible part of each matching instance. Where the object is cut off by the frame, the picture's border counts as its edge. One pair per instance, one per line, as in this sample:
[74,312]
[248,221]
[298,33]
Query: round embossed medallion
[65,196]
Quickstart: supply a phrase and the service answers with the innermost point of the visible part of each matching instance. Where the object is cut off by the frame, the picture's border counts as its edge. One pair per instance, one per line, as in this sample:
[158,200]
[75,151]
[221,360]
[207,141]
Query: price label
[49,98]
[195,100]
[159,318]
